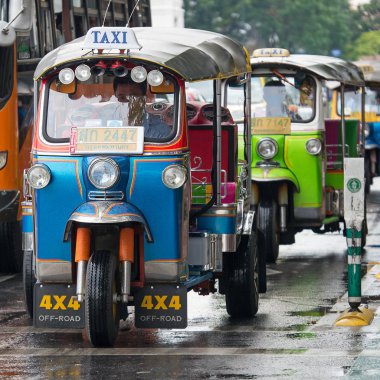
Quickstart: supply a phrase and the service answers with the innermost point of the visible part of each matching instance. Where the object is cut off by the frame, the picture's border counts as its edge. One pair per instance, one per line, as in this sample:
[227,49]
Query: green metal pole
[354,267]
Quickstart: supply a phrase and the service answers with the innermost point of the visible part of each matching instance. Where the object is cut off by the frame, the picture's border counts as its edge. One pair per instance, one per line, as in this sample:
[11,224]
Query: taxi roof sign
[270,52]
[367,69]
[121,38]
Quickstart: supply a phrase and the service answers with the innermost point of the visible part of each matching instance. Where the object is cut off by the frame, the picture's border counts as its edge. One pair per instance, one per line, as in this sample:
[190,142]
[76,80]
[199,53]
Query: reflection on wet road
[292,335]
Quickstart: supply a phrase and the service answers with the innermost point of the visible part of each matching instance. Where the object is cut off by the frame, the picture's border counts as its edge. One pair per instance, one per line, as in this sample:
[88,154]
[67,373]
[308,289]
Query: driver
[132,94]
[278,105]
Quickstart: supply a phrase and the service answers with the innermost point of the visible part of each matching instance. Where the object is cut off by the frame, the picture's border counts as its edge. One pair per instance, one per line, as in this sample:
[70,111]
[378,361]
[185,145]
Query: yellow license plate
[107,140]
[271,125]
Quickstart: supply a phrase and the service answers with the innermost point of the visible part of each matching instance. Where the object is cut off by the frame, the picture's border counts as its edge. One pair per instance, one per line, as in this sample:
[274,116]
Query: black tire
[269,229]
[10,247]
[262,264]
[242,293]
[102,314]
[29,280]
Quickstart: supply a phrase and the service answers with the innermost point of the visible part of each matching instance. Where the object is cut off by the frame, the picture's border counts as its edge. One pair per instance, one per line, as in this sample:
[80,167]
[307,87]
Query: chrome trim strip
[229,243]
[166,271]
[248,222]
[54,271]
[27,241]
[105,195]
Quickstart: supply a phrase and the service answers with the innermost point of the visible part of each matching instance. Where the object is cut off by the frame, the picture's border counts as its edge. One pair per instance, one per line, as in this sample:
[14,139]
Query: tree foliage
[315,27]
[367,44]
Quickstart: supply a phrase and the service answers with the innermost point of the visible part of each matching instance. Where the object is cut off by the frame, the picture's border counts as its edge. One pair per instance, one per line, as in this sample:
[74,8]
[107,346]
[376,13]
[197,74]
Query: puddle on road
[302,335]
[317,312]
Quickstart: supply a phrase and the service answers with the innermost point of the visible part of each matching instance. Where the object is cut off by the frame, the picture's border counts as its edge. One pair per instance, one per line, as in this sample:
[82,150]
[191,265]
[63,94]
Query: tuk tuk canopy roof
[371,71]
[327,68]
[193,54]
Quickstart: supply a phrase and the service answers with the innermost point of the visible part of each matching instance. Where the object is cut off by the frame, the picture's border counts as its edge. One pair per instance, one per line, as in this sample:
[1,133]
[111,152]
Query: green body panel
[274,174]
[335,179]
[307,169]
[295,165]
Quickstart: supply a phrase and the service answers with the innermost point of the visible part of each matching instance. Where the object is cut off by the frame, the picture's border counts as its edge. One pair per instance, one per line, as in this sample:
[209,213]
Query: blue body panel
[373,139]
[141,182]
[54,205]
[161,206]
[27,223]
[217,224]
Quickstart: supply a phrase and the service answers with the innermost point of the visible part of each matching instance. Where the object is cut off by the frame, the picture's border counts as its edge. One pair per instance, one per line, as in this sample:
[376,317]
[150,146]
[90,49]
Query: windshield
[275,97]
[235,99]
[108,101]
[352,102]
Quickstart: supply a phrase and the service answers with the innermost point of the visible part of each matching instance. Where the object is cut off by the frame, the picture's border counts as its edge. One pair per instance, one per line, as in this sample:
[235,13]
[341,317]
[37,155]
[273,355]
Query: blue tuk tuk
[136,197]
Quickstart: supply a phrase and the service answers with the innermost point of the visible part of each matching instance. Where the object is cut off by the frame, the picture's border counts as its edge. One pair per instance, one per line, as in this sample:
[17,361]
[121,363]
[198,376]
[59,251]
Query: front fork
[282,199]
[126,257]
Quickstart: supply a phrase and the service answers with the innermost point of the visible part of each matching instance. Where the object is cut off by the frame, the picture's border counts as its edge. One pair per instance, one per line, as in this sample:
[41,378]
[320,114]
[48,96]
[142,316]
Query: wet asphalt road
[292,336]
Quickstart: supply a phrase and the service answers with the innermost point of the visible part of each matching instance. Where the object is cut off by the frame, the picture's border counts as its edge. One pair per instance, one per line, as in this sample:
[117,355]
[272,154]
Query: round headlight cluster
[155,78]
[174,176]
[103,173]
[38,176]
[138,74]
[314,146]
[66,76]
[267,148]
[83,73]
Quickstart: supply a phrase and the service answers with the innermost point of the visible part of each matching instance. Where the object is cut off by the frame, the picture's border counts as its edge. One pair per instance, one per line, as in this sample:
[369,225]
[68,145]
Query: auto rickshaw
[136,197]
[353,110]
[298,154]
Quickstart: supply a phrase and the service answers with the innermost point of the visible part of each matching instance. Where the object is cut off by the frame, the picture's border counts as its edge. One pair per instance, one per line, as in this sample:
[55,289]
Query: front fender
[105,212]
[274,174]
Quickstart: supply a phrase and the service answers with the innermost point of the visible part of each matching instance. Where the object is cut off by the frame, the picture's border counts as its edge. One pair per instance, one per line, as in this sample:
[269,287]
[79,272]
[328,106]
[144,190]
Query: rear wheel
[10,247]
[269,229]
[29,280]
[242,291]
[102,309]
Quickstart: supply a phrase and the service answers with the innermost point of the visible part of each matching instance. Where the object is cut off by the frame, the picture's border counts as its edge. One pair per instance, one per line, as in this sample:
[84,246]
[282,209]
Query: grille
[105,195]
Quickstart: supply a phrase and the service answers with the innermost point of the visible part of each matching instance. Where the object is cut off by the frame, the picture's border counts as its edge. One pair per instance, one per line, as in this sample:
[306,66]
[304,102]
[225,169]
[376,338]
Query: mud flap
[161,306]
[56,306]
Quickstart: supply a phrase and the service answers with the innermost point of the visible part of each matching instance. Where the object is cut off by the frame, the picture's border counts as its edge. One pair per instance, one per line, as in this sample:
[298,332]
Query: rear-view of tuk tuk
[135,196]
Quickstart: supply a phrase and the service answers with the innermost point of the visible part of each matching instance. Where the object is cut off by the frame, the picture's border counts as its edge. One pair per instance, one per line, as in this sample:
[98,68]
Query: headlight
[38,176]
[267,148]
[66,76]
[138,74]
[155,78]
[83,73]
[3,158]
[103,173]
[174,176]
[314,146]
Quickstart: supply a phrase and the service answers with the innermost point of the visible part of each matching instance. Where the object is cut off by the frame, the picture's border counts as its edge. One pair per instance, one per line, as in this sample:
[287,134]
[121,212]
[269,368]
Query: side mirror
[7,34]
[21,12]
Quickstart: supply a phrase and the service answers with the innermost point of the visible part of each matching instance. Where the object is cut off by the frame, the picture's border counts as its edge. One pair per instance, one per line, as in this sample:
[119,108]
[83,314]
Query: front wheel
[269,229]
[102,308]
[242,291]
